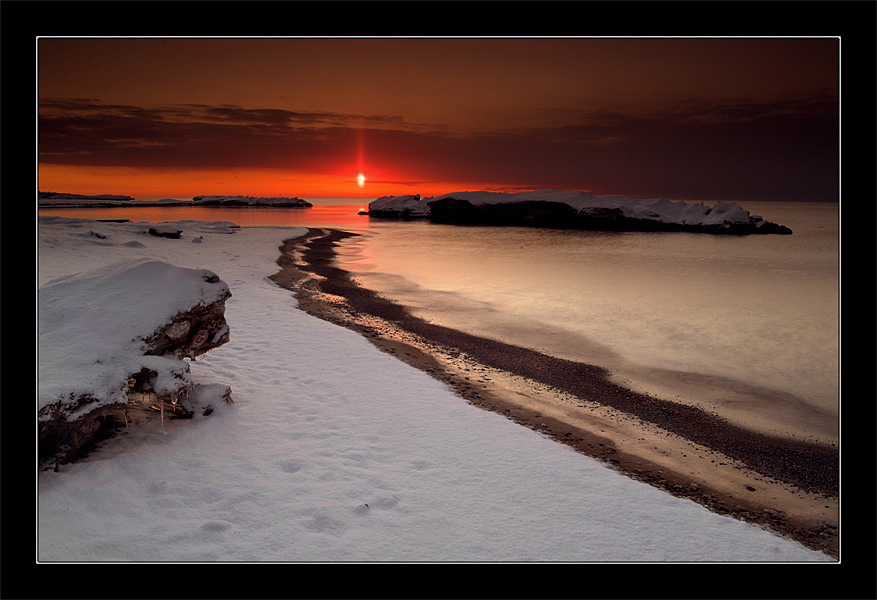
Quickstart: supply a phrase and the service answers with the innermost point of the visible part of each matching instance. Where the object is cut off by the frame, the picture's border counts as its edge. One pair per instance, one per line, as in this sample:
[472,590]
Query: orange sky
[677,118]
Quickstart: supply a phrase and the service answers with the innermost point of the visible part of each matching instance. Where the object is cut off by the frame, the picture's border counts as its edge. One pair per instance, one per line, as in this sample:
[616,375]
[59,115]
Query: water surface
[743,325]
[747,326]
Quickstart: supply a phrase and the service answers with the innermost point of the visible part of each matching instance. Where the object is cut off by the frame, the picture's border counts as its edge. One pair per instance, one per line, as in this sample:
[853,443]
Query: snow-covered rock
[570,209]
[400,207]
[251,201]
[118,330]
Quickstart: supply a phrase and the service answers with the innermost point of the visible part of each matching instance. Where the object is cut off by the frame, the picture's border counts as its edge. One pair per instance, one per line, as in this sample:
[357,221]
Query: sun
[360,180]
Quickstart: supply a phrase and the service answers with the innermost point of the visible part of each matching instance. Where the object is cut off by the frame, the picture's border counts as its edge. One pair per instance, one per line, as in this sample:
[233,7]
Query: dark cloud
[784,150]
[743,150]
[715,152]
[84,132]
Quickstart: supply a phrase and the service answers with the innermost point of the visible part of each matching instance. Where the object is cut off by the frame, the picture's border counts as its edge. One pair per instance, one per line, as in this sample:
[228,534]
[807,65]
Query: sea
[747,327]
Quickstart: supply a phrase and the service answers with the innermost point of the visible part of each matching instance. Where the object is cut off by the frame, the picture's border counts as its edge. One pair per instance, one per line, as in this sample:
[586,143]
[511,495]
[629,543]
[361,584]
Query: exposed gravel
[809,467]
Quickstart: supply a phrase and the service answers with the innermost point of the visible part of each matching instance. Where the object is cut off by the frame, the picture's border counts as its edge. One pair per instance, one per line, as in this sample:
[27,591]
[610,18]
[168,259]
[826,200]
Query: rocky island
[66,200]
[63,199]
[278,201]
[567,209]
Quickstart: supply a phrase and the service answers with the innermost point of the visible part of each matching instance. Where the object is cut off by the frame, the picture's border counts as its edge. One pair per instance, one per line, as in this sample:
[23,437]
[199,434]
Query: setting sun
[487,288]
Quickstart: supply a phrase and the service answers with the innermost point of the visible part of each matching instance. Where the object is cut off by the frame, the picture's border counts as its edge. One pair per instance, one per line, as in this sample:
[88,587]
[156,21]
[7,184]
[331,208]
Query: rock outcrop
[192,332]
[65,200]
[557,215]
[410,206]
[112,349]
[165,230]
[66,196]
[278,201]
[567,209]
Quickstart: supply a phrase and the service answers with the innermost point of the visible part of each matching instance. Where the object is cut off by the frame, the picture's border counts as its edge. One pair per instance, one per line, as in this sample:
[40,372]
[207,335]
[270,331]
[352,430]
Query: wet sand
[786,485]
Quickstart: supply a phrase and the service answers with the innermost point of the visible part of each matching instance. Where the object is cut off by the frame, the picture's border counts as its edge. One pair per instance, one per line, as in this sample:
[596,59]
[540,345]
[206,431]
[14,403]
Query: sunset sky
[696,119]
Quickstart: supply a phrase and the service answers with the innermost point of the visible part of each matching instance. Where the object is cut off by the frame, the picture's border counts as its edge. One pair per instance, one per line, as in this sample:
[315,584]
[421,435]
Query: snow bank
[93,328]
[335,451]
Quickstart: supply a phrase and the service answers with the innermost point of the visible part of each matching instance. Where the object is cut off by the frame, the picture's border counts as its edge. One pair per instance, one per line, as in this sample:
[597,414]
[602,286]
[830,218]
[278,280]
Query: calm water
[744,326]
[334,212]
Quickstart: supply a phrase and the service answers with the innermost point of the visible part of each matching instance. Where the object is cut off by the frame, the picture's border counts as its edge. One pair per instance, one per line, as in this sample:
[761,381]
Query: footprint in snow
[385,502]
[211,526]
[290,466]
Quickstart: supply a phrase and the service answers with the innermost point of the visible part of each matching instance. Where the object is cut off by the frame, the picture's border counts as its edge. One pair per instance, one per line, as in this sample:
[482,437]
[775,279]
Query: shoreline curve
[789,486]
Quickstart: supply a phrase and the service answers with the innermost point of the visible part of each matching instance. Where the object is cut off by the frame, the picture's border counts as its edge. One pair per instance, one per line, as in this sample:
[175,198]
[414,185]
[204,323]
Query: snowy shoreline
[454,356]
[335,451]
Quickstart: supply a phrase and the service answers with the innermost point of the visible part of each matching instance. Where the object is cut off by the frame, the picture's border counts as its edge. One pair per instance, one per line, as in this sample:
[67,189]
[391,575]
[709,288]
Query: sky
[703,119]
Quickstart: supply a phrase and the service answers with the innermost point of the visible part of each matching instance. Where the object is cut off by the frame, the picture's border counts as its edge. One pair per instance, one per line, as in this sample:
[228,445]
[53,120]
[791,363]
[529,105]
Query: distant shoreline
[788,486]
[65,200]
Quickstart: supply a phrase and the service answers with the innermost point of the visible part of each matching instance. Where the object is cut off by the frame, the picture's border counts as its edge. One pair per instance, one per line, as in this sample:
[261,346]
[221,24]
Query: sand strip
[789,486]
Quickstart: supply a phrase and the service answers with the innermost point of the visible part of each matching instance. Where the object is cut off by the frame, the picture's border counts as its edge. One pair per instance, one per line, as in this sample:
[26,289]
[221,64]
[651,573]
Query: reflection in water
[744,325]
[342,215]
[747,326]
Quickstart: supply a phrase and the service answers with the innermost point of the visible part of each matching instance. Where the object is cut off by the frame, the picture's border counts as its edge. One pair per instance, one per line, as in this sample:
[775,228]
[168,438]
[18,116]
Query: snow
[334,451]
[134,297]
[412,203]
[664,211]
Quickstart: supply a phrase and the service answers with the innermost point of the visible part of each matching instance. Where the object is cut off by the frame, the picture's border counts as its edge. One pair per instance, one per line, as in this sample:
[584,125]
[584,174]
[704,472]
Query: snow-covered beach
[336,452]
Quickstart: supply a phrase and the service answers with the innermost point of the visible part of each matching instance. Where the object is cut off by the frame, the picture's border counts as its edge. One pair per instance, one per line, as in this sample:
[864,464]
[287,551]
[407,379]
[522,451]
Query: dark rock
[165,231]
[278,202]
[559,215]
[66,196]
[406,214]
[192,332]
[525,213]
